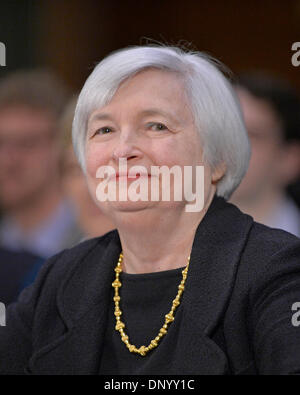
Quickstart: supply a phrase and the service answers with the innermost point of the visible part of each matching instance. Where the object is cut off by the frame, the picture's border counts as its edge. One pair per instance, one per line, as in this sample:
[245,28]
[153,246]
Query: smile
[131,176]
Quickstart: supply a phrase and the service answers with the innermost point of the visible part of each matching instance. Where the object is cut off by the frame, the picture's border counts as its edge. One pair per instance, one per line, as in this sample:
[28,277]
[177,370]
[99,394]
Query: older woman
[172,290]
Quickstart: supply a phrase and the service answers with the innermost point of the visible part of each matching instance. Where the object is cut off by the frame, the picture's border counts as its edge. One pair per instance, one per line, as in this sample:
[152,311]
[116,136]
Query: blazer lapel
[218,245]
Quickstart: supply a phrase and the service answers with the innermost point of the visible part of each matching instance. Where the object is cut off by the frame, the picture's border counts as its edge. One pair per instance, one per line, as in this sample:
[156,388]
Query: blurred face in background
[274,163]
[29,155]
[90,218]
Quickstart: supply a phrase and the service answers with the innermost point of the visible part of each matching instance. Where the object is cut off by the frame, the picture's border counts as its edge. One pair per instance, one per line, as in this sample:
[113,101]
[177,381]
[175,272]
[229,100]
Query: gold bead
[176,302]
[142,350]
[169,317]
[117,284]
[120,325]
[163,331]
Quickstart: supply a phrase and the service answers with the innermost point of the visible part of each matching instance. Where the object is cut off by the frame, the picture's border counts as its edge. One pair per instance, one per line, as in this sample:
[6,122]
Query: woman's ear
[218,172]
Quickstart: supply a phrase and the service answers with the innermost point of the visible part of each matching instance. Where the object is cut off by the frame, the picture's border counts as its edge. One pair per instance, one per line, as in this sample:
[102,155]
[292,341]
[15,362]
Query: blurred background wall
[70,36]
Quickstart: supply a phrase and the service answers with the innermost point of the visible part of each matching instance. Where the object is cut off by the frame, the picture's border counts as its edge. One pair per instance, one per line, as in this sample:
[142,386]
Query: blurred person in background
[271,111]
[90,218]
[17,271]
[37,217]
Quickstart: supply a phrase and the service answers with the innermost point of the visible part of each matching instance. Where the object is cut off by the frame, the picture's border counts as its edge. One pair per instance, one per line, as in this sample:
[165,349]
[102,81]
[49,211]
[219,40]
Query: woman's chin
[129,206]
[113,209]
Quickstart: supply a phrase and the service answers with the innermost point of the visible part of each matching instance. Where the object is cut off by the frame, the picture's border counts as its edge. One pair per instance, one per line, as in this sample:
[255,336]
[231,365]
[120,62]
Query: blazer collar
[85,297]
[89,285]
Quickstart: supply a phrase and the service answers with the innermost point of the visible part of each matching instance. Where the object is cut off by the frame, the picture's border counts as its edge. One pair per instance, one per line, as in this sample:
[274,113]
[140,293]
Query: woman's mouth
[129,176]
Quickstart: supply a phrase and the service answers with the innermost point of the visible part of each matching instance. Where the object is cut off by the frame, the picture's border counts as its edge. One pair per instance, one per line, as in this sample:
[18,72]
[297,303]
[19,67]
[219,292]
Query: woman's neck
[160,241]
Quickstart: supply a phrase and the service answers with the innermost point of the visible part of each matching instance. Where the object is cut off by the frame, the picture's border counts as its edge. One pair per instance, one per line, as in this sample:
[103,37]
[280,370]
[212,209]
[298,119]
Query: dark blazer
[235,316]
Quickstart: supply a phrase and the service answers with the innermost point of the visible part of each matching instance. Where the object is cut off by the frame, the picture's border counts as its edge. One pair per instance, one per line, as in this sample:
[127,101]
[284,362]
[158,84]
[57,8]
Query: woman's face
[148,122]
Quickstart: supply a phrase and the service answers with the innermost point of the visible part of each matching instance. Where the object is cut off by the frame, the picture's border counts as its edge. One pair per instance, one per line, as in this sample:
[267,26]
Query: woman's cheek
[93,158]
[168,153]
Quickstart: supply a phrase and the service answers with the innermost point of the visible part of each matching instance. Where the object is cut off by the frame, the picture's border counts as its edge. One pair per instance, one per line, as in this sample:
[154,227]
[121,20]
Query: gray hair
[216,110]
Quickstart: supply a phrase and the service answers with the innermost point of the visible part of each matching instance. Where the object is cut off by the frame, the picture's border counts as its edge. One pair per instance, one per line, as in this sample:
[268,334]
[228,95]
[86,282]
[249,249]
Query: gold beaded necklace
[143,350]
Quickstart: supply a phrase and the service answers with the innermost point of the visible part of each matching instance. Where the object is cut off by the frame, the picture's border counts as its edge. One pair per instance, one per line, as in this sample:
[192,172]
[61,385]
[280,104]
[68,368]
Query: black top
[145,300]
[236,315]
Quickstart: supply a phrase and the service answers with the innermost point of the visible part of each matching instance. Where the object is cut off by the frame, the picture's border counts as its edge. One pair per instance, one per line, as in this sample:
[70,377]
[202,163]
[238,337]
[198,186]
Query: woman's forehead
[150,92]
[153,81]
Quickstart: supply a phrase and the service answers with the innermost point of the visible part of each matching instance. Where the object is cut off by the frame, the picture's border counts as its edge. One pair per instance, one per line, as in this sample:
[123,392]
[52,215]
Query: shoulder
[70,256]
[56,270]
[261,242]
[265,253]
[264,243]
[271,257]
[270,239]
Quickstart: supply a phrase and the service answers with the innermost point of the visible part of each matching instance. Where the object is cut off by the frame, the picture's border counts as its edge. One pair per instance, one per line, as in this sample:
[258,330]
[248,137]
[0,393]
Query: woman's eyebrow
[100,117]
[142,113]
[157,111]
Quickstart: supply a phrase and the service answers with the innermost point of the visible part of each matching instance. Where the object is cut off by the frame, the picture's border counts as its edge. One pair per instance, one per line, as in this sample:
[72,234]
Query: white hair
[216,111]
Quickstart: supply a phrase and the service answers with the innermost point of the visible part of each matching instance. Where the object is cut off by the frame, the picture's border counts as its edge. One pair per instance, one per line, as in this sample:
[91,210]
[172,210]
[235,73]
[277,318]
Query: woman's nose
[126,147]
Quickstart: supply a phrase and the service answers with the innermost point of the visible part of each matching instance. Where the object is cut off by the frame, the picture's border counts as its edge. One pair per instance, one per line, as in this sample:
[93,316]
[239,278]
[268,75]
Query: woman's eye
[157,126]
[104,130]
